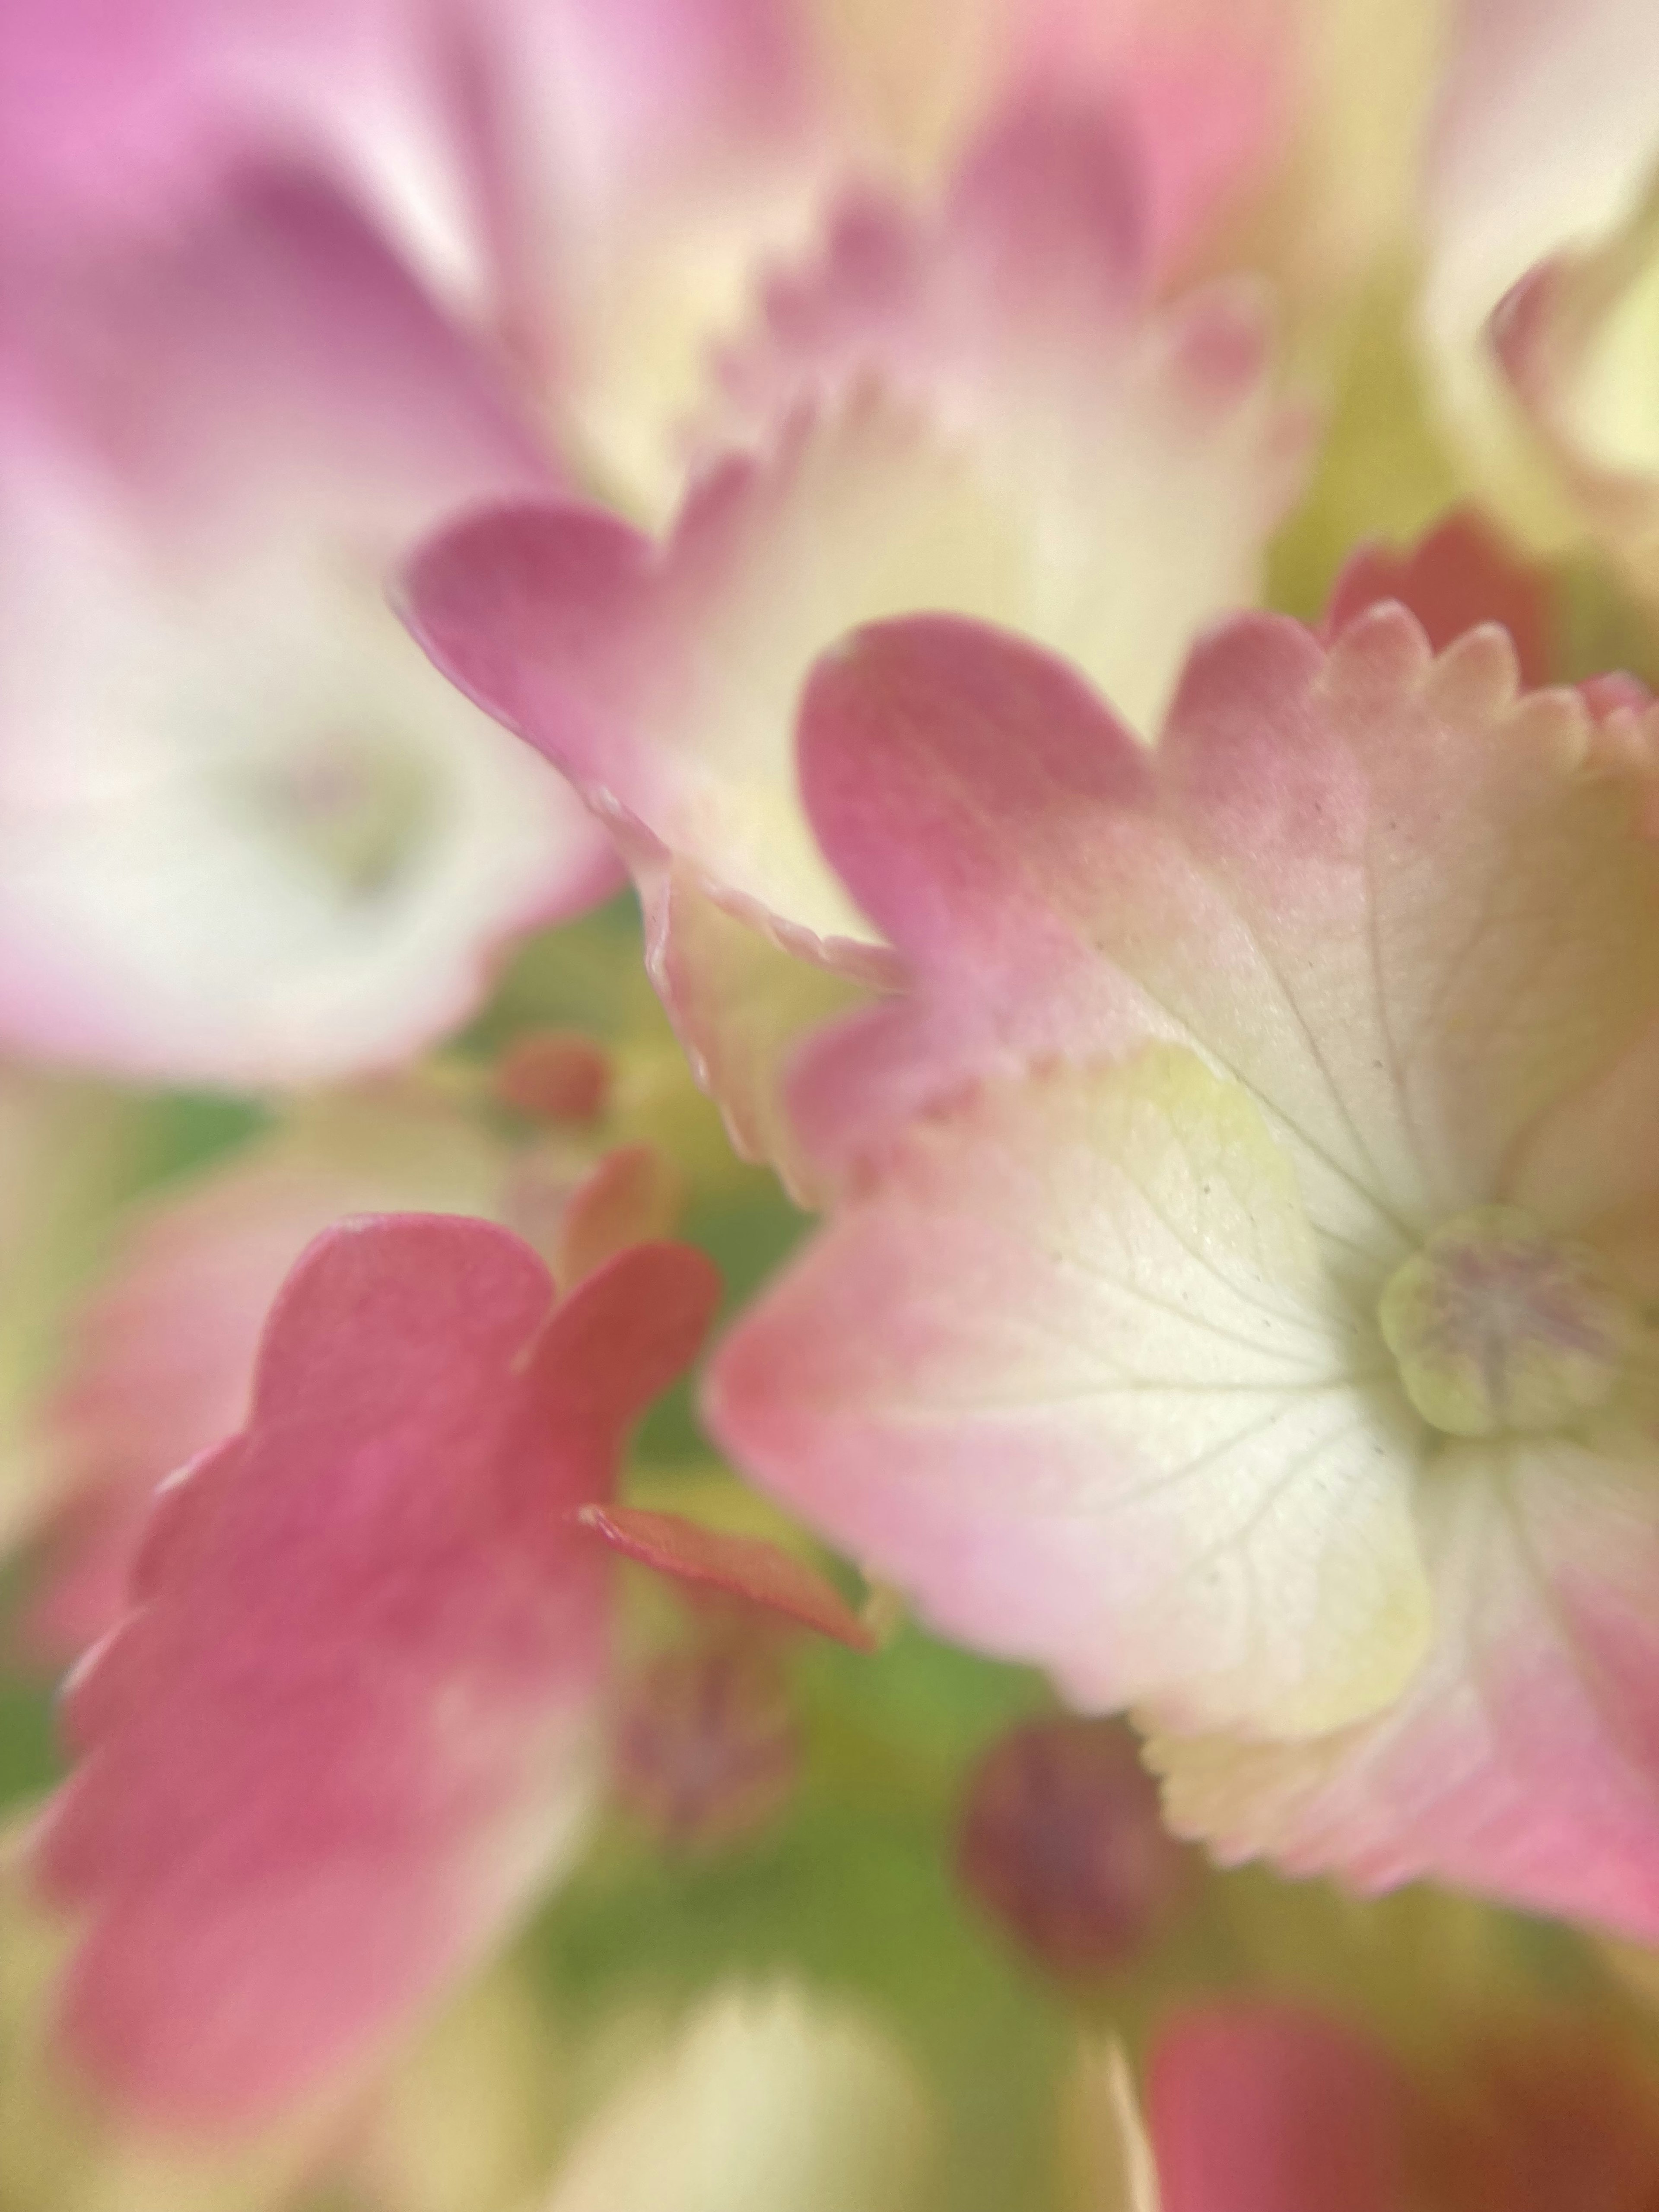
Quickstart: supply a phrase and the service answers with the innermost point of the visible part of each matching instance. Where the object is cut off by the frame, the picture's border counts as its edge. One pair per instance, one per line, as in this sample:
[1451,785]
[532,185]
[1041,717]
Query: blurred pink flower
[598,183]
[244,836]
[343,1735]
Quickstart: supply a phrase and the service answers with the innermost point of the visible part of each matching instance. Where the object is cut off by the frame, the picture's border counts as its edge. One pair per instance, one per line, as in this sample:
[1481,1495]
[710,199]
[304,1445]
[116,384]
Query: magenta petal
[1460,575]
[273,354]
[1266,2108]
[1260,884]
[339,1743]
[952,772]
[954,746]
[747,1568]
[537,612]
[1049,209]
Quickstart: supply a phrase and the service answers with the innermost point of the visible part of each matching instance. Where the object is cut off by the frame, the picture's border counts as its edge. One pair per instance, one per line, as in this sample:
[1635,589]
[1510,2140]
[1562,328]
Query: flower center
[1496,1325]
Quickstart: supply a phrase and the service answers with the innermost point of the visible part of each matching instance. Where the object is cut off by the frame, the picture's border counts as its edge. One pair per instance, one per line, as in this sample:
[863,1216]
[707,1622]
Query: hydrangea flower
[1240,1282]
[1238,1301]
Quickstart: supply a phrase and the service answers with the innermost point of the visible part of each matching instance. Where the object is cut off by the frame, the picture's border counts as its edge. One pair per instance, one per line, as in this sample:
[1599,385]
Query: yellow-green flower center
[1498,1325]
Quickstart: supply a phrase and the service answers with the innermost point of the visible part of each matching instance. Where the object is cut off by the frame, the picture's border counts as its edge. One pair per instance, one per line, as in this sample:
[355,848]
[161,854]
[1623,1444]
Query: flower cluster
[966,683]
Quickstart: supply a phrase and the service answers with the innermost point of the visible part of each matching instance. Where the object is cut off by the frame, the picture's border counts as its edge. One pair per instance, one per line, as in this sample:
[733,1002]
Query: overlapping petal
[340,1739]
[1524,1759]
[1457,576]
[1070,1374]
[1088,1359]
[971,411]
[1406,906]
[1546,139]
[157,1360]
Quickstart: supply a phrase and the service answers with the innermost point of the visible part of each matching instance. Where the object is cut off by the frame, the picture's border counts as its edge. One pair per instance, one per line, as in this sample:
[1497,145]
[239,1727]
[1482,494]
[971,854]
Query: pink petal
[746,1567]
[947,771]
[543,616]
[1041,242]
[338,1744]
[271,351]
[647,158]
[558,173]
[1266,2108]
[1210,91]
[157,1360]
[741,1000]
[1207,91]
[115,110]
[1409,914]
[1463,574]
[1066,1368]
[1212,99]
[1524,1762]
[1339,878]
[926,415]
[1460,574]
[1567,340]
[671,79]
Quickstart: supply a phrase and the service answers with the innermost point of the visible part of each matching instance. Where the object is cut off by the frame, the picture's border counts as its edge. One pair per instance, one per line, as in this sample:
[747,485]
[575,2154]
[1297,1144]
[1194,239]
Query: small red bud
[1063,1842]
[554,1075]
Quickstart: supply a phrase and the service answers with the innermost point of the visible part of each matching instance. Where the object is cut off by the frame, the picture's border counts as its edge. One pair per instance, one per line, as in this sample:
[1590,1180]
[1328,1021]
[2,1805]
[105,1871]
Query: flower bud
[1061,1842]
[554,1075]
